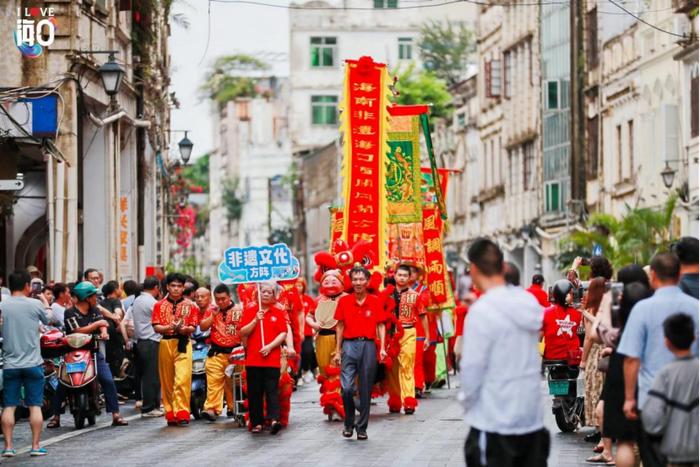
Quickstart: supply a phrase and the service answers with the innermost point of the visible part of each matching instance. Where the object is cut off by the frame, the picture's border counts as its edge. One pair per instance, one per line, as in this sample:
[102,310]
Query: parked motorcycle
[200,349]
[77,371]
[568,389]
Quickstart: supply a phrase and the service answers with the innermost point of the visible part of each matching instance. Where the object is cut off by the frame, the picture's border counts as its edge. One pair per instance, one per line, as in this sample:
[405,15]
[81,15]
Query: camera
[36,287]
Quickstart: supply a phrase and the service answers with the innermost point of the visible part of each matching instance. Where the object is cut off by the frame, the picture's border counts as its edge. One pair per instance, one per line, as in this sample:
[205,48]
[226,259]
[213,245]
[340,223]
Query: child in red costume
[330,290]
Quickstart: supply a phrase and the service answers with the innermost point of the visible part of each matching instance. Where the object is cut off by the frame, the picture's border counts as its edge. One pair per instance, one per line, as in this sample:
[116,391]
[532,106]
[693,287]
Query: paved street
[433,437]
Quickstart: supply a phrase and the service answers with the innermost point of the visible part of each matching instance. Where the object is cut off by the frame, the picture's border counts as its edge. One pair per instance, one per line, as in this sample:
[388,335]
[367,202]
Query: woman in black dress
[615,425]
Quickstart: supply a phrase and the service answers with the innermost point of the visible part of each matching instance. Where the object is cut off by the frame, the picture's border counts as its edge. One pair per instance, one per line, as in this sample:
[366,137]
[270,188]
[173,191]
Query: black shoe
[229,413]
[208,416]
[183,422]
[362,435]
[592,437]
[347,432]
[275,428]
[409,411]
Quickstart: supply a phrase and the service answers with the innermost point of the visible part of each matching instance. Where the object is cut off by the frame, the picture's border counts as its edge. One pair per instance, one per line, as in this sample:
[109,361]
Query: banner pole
[262,330]
[444,350]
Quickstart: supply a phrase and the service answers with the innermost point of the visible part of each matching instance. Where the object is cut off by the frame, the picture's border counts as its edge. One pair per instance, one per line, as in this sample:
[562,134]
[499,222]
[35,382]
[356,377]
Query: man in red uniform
[223,320]
[560,327]
[175,318]
[360,319]
[537,290]
[265,329]
[411,312]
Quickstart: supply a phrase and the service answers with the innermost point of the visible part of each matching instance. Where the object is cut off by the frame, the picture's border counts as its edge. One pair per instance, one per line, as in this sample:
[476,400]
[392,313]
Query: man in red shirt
[560,326]
[360,318]
[223,320]
[265,329]
[537,290]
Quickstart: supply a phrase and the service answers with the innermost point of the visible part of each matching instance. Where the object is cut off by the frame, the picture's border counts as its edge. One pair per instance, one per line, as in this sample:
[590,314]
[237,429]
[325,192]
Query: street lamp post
[667,175]
[185,145]
[111,73]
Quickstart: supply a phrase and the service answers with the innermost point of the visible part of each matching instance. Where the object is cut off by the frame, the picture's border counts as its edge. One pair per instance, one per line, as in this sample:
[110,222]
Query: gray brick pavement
[432,437]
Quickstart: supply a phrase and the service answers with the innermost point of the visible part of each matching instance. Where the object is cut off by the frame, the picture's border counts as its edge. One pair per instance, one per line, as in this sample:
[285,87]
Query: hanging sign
[258,264]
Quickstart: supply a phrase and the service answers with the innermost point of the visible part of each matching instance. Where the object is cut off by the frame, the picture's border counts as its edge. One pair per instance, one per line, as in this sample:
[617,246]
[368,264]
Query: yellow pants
[325,346]
[407,358]
[175,370]
[218,384]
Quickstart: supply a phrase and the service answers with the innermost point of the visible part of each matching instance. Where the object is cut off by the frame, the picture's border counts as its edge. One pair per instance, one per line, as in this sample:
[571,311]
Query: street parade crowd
[629,334]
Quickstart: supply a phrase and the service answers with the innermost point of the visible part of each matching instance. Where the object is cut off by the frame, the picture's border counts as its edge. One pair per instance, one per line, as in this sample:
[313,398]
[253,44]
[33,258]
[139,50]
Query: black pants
[263,382]
[147,366]
[494,450]
[308,354]
[359,361]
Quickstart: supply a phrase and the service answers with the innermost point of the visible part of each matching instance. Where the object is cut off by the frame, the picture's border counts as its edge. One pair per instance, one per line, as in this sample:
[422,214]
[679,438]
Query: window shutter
[487,78]
[496,78]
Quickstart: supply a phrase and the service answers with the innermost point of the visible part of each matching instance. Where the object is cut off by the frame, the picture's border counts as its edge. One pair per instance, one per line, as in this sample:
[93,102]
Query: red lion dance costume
[333,275]
[248,294]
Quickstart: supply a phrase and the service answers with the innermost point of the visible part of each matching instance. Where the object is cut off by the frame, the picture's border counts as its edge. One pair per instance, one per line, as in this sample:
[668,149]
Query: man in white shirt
[500,369]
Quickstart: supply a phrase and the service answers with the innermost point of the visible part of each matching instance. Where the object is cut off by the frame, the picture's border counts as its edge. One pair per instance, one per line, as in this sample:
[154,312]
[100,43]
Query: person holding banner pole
[265,328]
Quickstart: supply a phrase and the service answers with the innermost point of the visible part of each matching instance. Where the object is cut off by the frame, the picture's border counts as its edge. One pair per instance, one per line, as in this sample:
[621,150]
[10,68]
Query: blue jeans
[104,376]
[31,378]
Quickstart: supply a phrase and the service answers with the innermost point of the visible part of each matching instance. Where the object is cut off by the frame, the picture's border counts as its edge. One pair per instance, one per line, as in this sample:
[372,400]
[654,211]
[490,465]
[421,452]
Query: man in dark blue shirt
[687,251]
[85,318]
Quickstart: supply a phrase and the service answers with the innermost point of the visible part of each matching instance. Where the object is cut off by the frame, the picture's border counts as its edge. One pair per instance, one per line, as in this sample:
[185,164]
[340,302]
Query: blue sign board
[258,263]
[597,250]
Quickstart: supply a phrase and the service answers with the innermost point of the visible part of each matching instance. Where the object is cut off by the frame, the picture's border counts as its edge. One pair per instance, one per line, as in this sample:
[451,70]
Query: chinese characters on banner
[364,120]
[124,243]
[336,226]
[435,268]
[436,274]
[258,263]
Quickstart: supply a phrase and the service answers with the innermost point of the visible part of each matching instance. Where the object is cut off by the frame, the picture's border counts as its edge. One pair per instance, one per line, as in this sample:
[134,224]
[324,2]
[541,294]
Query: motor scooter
[568,389]
[200,349]
[77,372]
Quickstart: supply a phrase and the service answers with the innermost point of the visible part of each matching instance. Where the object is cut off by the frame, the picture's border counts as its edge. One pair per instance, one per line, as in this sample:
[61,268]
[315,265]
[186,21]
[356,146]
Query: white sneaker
[300,383]
[155,413]
[308,377]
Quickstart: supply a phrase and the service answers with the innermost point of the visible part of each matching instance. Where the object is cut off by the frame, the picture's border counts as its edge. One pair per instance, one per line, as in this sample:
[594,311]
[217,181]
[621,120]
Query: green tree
[635,238]
[445,49]
[422,87]
[229,78]
[198,173]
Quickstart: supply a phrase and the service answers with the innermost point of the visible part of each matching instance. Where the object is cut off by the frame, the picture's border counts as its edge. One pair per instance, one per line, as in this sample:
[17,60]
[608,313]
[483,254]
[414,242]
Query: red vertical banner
[364,120]
[435,267]
[336,226]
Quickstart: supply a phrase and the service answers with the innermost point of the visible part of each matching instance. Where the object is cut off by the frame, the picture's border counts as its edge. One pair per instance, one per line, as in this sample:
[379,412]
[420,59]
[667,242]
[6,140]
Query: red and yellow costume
[401,378]
[331,289]
[175,357]
[224,337]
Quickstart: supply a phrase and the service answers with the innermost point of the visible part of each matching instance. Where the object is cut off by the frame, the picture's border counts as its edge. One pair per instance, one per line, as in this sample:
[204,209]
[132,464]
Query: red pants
[418,375]
[429,363]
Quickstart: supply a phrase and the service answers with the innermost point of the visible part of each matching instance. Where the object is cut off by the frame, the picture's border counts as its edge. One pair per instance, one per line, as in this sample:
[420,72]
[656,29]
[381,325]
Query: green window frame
[552,197]
[386,3]
[405,48]
[323,51]
[324,110]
